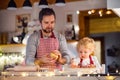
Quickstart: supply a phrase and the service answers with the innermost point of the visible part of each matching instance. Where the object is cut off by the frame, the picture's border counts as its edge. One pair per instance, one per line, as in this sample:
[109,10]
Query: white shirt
[87,61]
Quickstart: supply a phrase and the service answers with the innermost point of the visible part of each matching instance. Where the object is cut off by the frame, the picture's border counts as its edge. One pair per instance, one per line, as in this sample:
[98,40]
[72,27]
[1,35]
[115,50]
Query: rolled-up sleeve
[63,48]
[31,50]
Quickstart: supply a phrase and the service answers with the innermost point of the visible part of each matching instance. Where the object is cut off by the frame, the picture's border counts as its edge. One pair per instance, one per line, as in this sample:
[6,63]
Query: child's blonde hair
[88,43]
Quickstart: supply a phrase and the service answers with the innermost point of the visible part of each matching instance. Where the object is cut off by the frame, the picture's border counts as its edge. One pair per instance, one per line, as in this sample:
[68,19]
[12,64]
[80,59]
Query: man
[44,44]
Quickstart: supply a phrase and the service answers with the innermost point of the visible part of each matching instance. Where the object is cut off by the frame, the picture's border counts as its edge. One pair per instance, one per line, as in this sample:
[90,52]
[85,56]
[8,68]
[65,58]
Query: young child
[86,59]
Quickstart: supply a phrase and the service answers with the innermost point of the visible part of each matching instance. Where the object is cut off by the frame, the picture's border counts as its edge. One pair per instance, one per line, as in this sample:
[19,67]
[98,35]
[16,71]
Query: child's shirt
[87,61]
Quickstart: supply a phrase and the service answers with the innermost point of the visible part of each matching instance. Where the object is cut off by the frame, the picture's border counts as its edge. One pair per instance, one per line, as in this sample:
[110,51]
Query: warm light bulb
[39,74]
[68,75]
[117,71]
[108,74]
[78,12]
[12,74]
[108,12]
[88,75]
[100,13]
[109,77]
[79,74]
[89,12]
[93,11]
[24,74]
[51,73]
[98,75]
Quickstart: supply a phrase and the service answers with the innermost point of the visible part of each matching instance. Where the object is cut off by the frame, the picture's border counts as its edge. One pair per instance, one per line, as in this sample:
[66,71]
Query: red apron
[81,60]
[47,45]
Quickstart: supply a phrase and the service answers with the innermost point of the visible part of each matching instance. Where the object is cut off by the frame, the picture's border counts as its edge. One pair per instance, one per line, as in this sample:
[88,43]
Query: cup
[103,68]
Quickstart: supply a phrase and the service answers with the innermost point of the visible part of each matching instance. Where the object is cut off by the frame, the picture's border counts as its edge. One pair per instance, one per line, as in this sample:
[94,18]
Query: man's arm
[64,49]
[31,49]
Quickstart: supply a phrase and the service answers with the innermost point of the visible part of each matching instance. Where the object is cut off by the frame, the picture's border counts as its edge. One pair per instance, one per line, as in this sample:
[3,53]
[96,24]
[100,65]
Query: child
[85,48]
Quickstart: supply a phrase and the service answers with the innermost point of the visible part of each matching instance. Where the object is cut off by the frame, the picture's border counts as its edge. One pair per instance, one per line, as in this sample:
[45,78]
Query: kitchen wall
[7,17]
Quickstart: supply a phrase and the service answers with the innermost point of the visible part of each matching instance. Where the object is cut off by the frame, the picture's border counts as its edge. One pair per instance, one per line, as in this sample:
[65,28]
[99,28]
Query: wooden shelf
[2,45]
[12,47]
[70,41]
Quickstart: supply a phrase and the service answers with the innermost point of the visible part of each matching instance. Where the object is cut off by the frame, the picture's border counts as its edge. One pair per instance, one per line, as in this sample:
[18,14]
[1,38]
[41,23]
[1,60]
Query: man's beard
[47,30]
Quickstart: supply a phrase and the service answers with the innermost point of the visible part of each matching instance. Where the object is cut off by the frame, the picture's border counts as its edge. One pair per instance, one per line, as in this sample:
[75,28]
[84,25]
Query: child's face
[84,52]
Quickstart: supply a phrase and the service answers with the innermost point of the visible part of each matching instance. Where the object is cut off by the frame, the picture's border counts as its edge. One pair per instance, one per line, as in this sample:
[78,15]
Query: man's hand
[88,66]
[53,56]
[59,58]
[44,60]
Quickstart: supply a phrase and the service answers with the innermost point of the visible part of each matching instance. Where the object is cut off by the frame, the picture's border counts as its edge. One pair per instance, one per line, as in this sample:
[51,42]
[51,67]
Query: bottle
[73,33]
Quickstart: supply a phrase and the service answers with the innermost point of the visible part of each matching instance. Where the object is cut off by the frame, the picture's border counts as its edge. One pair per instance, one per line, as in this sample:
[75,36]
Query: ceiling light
[27,4]
[60,3]
[11,5]
[43,4]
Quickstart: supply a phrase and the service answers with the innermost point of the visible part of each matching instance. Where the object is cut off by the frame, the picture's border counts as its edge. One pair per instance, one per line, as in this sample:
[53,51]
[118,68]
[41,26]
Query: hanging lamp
[27,4]
[43,4]
[12,5]
[60,3]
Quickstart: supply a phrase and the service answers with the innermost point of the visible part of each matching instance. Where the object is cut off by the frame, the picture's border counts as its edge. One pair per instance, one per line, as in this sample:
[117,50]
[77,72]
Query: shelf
[71,41]
[4,45]
[12,47]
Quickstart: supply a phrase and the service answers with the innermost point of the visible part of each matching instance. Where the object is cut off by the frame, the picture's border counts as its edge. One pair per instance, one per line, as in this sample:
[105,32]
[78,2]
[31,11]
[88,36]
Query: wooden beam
[19,3]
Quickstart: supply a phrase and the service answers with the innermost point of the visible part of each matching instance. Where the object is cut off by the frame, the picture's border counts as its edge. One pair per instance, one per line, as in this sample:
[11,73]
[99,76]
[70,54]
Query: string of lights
[108,76]
[100,12]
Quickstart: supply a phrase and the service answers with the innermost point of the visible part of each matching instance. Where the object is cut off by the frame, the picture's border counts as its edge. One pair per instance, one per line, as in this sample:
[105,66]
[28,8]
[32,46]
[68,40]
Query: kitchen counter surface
[56,75]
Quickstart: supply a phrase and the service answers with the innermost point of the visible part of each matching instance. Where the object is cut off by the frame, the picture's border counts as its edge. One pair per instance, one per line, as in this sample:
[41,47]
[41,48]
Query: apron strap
[91,61]
[81,60]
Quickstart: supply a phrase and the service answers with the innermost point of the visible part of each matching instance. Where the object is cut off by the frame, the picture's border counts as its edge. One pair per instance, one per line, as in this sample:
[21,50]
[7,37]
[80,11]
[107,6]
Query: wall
[7,17]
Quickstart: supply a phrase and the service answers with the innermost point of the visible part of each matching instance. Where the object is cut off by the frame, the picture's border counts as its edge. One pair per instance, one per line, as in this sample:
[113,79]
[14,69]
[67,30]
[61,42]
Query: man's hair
[46,12]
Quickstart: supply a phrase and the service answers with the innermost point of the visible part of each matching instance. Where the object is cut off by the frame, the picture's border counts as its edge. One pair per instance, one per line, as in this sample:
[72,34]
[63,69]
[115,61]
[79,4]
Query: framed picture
[69,17]
[21,22]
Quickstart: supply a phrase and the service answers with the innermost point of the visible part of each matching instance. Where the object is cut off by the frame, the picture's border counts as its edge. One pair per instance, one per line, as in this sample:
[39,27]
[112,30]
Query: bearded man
[47,47]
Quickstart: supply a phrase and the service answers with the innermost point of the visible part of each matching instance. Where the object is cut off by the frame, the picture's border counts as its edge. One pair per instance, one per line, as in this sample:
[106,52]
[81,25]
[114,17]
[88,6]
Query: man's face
[48,23]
